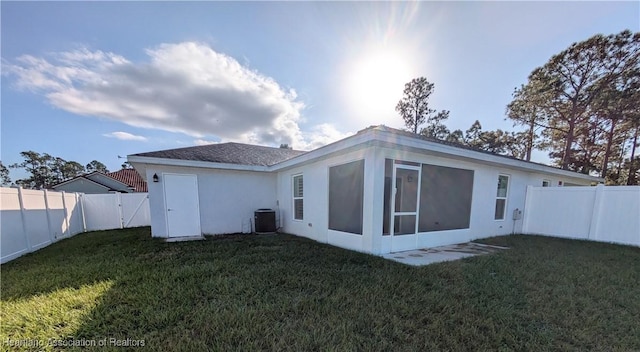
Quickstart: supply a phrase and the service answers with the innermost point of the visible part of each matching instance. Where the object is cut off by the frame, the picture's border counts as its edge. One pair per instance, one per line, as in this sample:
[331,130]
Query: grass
[281,292]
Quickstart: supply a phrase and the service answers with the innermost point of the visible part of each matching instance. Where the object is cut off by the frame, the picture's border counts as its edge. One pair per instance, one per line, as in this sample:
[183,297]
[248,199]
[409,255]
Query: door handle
[169,209]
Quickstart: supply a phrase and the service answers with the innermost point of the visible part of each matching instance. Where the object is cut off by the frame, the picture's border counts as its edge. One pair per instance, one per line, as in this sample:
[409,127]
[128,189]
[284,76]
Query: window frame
[294,198]
[425,186]
[505,198]
[547,181]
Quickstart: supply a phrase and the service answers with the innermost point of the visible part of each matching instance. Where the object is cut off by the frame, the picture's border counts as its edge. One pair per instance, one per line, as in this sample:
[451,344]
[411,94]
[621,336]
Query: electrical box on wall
[517,214]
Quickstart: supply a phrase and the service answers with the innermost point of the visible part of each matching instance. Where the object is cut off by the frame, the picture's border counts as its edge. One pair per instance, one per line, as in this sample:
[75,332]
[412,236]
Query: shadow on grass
[282,292]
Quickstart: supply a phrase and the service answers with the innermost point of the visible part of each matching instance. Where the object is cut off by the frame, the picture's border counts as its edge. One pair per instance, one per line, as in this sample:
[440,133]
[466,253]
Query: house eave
[389,140]
[194,163]
[377,138]
[75,179]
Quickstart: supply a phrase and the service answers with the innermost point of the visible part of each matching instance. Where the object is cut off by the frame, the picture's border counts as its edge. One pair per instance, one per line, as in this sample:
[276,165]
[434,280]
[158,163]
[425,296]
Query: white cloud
[125,136]
[203,142]
[186,87]
[320,135]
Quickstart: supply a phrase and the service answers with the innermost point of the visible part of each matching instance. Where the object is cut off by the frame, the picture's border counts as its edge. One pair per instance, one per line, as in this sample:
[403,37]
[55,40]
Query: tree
[4,175]
[473,133]
[523,111]
[95,165]
[285,146]
[577,99]
[46,170]
[618,108]
[565,89]
[634,161]
[436,127]
[414,105]
[39,166]
[457,136]
[498,141]
[71,169]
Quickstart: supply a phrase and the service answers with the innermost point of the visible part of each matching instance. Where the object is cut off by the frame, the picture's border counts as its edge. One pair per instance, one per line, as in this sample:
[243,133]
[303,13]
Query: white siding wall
[482,223]
[80,185]
[315,224]
[228,198]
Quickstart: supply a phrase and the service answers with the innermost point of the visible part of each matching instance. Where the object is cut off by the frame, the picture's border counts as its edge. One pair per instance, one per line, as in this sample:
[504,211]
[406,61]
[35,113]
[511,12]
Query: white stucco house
[381,190]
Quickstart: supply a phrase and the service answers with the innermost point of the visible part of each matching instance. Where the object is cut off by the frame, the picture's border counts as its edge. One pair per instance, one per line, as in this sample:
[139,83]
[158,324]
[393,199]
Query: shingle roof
[130,177]
[228,153]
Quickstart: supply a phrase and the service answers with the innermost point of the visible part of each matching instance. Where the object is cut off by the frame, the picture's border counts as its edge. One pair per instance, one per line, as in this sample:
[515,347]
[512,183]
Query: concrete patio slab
[428,256]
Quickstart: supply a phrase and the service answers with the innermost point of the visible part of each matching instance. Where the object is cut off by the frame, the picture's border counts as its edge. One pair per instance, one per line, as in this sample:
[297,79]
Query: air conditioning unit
[265,221]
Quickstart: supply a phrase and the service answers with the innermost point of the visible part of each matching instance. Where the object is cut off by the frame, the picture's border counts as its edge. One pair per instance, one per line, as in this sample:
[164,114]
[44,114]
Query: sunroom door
[405,207]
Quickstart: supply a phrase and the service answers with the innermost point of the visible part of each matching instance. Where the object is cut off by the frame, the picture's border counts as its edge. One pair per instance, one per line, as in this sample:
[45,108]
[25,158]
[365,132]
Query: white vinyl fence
[32,219]
[601,213]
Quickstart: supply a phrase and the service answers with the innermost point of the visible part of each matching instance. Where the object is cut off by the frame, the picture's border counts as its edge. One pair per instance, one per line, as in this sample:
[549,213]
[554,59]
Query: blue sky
[86,81]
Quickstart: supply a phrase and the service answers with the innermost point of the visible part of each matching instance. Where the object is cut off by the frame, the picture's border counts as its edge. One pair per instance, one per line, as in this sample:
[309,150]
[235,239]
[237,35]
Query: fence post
[595,212]
[66,215]
[120,216]
[47,210]
[84,220]
[24,219]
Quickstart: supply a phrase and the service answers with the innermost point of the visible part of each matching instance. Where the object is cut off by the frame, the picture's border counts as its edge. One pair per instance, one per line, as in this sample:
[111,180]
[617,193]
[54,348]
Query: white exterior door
[182,205]
[405,204]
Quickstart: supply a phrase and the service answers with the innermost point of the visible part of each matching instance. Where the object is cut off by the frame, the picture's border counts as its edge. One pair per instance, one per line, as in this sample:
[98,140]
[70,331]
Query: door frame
[166,209]
[407,241]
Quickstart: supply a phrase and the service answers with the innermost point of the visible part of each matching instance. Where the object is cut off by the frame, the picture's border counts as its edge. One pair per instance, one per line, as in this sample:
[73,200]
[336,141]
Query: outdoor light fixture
[156,178]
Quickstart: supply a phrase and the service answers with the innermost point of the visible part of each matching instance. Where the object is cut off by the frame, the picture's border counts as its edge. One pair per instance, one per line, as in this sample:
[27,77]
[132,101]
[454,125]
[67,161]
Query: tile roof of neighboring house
[228,153]
[128,177]
[131,177]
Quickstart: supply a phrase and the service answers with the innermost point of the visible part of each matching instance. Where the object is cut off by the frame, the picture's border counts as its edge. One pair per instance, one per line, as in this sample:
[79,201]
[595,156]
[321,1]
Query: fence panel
[619,216]
[12,233]
[135,209]
[601,213]
[38,221]
[32,219]
[102,211]
[74,213]
[559,211]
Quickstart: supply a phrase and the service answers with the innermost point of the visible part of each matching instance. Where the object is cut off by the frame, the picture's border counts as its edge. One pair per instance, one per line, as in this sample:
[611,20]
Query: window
[445,198]
[546,183]
[501,197]
[346,192]
[298,197]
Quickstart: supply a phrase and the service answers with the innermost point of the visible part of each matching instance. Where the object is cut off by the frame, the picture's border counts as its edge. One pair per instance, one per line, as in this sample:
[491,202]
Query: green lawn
[281,292]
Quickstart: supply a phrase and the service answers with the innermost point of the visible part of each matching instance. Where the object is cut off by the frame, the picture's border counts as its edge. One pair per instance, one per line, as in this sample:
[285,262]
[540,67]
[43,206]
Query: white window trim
[548,181]
[294,198]
[506,199]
